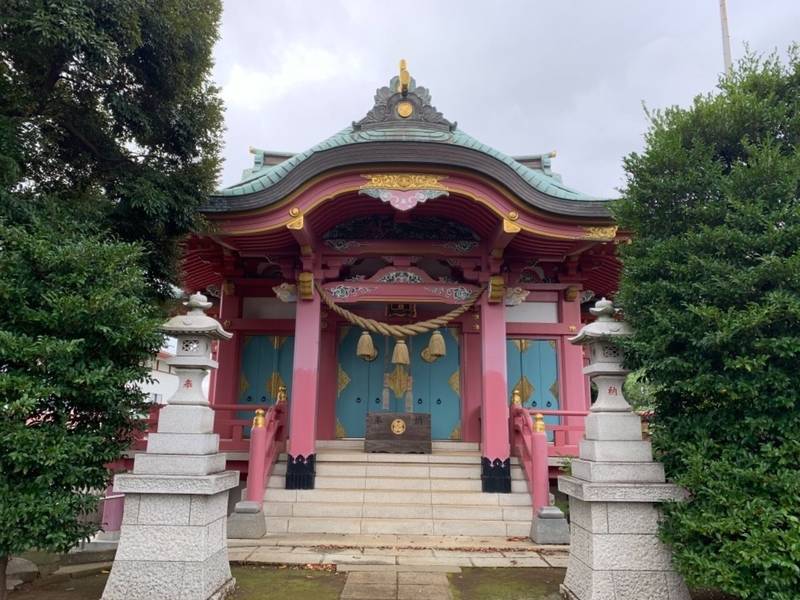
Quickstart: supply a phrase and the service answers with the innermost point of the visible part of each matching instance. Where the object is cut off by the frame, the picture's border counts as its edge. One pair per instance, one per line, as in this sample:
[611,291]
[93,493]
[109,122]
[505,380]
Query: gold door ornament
[398,427]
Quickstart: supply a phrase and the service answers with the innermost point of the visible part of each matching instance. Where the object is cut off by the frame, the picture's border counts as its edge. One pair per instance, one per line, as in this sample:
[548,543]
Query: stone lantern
[615,487]
[173,542]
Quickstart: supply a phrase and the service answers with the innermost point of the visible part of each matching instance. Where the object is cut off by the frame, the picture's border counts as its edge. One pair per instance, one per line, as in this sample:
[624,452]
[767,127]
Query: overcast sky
[523,76]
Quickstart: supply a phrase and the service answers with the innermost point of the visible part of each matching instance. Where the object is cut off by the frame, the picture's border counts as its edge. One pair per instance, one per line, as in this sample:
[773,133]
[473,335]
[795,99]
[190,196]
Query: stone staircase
[414,494]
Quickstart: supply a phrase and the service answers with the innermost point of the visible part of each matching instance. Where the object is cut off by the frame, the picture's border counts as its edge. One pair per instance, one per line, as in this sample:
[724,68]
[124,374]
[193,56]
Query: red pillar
[300,469]
[573,381]
[328,370]
[225,384]
[496,449]
[472,379]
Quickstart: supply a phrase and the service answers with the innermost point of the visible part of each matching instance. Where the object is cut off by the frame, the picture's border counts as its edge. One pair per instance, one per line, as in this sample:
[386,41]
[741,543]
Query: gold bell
[400,353]
[436,345]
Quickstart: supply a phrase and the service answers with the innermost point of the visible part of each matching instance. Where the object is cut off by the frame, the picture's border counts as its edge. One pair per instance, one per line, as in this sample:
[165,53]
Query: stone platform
[396,553]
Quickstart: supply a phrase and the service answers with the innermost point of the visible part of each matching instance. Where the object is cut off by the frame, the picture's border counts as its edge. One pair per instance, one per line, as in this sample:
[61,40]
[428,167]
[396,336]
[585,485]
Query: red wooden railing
[265,443]
[529,443]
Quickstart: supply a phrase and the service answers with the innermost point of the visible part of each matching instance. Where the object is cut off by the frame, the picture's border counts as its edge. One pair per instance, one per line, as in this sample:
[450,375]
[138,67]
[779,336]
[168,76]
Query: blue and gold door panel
[359,385]
[424,386]
[266,365]
[533,372]
[437,384]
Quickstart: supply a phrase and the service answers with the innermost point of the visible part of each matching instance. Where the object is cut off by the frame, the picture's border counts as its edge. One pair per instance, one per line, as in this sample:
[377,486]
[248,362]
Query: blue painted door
[380,386]
[437,384]
[533,372]
[360,385]
[266,364]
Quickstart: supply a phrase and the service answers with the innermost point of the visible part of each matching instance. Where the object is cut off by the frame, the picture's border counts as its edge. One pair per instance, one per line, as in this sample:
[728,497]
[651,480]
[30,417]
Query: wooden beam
[504,233]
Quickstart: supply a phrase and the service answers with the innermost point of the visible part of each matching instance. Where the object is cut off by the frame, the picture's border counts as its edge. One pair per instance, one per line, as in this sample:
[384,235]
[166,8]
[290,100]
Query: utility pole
[726,36]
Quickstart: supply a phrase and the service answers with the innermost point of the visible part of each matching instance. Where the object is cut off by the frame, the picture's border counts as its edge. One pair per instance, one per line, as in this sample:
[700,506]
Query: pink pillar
[495,462]
[328,370]
[113,506]
[300,469]
[225,384]
[473,381]
[573,381]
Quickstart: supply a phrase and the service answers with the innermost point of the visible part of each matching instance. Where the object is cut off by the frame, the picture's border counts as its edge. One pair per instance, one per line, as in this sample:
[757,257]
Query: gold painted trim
[605,234]
[404,181]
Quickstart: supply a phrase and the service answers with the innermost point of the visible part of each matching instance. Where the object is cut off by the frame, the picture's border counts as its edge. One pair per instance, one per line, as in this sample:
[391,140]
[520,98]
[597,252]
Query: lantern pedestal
[173,543]
[615,488]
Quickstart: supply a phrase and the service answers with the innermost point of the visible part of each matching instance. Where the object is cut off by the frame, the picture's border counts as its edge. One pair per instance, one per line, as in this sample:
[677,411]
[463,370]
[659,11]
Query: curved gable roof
[424,136]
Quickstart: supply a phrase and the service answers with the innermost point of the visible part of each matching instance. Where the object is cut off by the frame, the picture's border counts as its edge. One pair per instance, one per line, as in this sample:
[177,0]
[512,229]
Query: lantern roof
[605,327]
[196,321]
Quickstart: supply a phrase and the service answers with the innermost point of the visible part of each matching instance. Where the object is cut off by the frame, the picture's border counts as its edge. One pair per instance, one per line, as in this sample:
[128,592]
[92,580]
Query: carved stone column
[172,543]
[615,488]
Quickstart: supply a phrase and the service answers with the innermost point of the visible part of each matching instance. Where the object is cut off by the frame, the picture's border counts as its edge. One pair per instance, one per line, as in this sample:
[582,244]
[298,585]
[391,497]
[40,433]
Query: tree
[109,140]
[711,284]
[112,113]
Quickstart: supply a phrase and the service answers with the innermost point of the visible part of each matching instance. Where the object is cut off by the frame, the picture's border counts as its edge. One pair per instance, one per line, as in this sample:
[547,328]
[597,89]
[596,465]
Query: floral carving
[459,294]
[342,291]
[400,277]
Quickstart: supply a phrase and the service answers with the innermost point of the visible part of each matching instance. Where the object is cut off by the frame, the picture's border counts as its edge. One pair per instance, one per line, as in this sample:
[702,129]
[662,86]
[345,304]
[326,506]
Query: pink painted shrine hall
[400,267]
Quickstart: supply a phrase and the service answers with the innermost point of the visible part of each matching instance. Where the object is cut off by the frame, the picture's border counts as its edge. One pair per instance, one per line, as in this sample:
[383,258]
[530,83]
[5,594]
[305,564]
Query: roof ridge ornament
[403,104]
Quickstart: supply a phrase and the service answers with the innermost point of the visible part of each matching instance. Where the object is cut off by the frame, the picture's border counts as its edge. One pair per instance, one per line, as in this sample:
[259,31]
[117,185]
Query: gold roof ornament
[405,78]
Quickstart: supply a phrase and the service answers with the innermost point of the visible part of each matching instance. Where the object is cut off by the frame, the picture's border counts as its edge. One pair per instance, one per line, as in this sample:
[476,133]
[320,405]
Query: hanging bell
[365,349]
[436,346]
[400,353]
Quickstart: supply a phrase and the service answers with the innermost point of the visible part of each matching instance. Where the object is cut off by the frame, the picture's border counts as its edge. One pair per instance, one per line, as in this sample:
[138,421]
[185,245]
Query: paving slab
[369,592]
[428,592]
[409,578]
[519,561]
[401,568]
[379,577]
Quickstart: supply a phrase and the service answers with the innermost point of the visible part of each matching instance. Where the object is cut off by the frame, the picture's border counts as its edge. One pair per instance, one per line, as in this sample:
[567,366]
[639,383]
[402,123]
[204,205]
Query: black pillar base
[300,472]
[496,475]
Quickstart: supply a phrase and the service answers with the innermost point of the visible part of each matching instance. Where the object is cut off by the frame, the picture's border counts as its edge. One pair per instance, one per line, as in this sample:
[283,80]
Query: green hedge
[711,284]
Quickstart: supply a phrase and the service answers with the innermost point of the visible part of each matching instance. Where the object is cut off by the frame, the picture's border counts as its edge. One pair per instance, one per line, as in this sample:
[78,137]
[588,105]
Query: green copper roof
[383,123]
[266,176]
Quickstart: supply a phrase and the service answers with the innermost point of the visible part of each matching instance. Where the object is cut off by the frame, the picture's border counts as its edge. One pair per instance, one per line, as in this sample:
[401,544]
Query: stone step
[278,481]
[355,525]
[352,456]
[361,470]
[418,497]
[398,511]
[357,444]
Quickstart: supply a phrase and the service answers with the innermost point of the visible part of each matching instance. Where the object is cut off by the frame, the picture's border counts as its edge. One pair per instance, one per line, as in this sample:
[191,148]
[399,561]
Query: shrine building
[400,267]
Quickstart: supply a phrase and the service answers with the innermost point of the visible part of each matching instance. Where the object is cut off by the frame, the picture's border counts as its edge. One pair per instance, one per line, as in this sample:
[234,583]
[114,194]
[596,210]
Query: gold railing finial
[516,398]
[258,420]
[405,78]
[282,395]
[538,423]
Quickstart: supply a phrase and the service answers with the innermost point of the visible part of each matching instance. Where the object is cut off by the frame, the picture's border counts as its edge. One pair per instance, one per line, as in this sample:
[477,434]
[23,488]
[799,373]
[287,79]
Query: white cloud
[298,65]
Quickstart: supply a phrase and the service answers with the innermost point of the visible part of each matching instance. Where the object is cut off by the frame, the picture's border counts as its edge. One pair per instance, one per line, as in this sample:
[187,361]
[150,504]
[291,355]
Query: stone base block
[550,527]
[621,472]
[175,418]
[613,426]
[178,464]
[182,443]
[247,525]
[583,583]
[616,450]
[178,580]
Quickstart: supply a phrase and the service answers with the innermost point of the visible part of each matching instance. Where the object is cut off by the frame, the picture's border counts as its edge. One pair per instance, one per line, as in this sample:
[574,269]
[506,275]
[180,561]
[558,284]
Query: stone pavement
[396,553]
[399,585]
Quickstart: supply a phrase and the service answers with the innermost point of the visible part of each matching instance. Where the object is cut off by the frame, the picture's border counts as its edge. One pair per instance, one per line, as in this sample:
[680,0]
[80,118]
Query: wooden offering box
[398,433]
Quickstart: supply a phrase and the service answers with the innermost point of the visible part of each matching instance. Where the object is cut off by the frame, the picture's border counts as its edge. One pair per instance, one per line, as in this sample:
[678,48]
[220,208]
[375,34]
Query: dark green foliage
[73,333]
[711,284]
[109,136]
[110,109]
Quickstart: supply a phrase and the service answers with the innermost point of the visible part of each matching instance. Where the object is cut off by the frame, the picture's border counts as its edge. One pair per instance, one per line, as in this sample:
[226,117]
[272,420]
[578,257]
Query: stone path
[396,552]
[396,585]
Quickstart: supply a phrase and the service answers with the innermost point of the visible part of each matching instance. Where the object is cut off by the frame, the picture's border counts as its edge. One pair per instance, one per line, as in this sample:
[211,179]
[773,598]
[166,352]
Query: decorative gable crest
[401,104]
